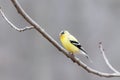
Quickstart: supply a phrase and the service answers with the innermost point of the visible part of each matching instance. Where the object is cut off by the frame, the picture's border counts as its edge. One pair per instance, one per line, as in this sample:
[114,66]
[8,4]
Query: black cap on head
[62,32]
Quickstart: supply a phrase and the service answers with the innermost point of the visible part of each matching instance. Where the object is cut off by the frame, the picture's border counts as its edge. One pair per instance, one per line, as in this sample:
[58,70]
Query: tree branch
[12,25]
[53,42]
[105,58]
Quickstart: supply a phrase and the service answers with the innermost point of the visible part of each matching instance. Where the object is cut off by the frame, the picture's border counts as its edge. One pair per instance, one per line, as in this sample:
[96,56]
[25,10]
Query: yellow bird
[71,44]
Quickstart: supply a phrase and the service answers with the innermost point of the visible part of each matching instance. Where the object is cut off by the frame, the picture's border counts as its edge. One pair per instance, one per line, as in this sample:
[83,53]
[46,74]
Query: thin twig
[36,26]
[53,42]
[105,58]
[12,25]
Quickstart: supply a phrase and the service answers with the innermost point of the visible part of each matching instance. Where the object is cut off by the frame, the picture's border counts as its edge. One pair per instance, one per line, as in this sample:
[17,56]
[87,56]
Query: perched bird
[71,44]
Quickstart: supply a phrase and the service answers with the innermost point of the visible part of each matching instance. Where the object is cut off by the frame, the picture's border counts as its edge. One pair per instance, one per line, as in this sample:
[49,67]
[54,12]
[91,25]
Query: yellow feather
[75,47]
[65,40]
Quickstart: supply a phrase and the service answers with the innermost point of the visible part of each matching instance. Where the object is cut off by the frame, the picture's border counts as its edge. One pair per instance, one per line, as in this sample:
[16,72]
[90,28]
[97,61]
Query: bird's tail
[86,56]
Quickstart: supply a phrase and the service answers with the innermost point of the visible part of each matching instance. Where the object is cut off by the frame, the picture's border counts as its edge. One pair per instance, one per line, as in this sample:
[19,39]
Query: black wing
[77,44]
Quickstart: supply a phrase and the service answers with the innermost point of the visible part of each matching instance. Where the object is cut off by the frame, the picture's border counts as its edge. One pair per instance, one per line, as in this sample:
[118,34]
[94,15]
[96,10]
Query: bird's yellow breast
[68,45]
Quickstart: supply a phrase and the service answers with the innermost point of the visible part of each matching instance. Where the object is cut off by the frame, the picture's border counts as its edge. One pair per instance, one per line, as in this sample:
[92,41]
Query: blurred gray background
[28,56]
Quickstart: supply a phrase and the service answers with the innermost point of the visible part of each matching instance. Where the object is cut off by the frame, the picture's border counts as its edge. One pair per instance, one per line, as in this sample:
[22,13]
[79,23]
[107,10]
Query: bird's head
[64,32]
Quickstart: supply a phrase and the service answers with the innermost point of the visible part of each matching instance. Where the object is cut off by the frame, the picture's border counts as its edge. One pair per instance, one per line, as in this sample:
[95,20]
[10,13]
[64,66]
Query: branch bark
[105,58]
[53,42]
[12,25]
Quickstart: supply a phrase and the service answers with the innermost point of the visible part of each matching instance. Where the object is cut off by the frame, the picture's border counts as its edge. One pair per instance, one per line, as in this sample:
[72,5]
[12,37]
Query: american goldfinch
[71,44]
